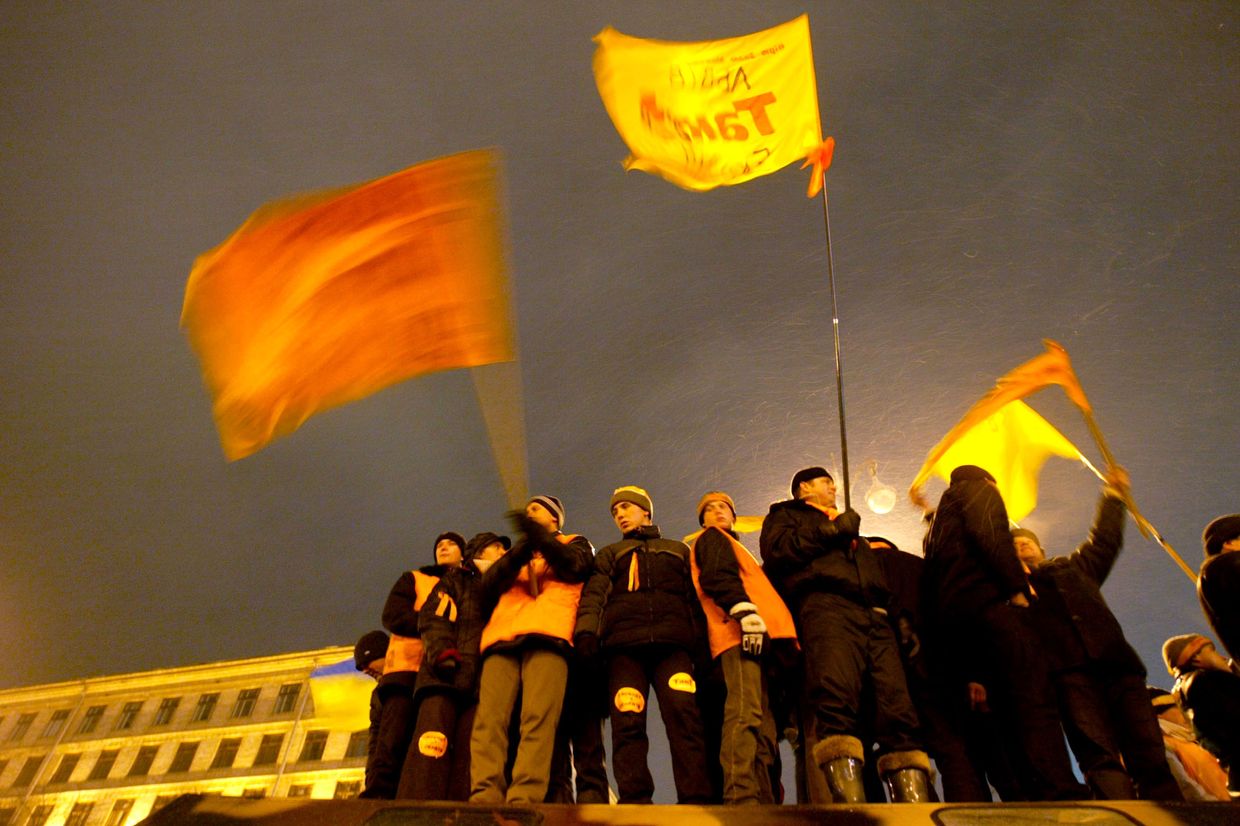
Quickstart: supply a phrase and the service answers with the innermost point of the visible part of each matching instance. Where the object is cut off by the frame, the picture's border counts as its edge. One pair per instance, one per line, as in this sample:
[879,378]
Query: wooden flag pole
[839,364]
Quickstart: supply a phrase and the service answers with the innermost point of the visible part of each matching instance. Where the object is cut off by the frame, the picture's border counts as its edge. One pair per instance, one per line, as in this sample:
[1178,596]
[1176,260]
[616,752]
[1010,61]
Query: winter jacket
[400,616]
[1211,701]
[804,551]
[1074,622]
[450,625]
[724,574]
[533,592]
[641,592]
[971,562]
[1218,588]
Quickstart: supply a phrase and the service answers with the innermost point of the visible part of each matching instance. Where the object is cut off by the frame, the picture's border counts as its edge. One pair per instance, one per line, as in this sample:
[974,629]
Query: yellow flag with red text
[713,113]
[323,299]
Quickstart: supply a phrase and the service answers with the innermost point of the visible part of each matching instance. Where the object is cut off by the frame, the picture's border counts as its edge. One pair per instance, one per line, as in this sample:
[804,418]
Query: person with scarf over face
[531,597]
[640,610]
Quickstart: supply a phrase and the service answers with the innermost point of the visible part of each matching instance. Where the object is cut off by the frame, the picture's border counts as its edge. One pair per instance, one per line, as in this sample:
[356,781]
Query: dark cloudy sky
[1005,172]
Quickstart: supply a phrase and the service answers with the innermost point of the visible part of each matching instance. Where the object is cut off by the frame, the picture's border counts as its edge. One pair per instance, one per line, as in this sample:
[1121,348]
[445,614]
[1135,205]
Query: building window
[167,707]
[269,750]
[359,743]
[28,770]
[286,700]
[90,720]
[255,793]
[300,790]
[312,749]
[79,813]
[129,712]
[67,764]
[244,706]
[183,758]
[226,753]
[56,724]
[22,726]
[40,814]
[346,789]
[103,766]
[205,708]
[120,812]
[6,812]
[142,763]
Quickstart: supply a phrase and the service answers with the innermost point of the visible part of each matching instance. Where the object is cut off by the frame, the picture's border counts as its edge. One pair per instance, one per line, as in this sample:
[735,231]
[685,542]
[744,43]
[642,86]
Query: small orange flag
[323,299]
[1051,367]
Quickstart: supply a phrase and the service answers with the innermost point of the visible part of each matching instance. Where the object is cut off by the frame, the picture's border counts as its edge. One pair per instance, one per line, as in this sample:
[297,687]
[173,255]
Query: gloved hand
[586,645]
[752,627]
[446,666]
[536,535]
[848,523]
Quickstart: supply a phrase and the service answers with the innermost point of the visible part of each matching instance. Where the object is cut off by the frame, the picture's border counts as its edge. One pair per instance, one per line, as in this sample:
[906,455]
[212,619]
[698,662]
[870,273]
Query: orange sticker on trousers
[433,744]
[681,681]
[630,699]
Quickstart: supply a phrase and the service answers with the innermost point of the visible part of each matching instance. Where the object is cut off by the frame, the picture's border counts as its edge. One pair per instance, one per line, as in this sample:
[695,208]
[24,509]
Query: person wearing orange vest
[742,609]
[401,665]
[530,596]
[437,764]
[830,577]
[639,608]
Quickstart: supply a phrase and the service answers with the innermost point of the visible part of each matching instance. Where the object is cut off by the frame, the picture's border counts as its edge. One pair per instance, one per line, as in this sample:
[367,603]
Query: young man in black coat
[1099,678]
[836,590]
[1218,584]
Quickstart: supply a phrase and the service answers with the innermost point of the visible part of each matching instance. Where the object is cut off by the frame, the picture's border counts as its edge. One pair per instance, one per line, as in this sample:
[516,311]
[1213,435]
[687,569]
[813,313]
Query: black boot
[908,786]
[844,779]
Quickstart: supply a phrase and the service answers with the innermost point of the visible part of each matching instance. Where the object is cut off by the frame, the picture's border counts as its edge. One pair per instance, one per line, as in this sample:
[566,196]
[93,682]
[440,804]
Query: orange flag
[716,112]
[1052,367]
[323,299]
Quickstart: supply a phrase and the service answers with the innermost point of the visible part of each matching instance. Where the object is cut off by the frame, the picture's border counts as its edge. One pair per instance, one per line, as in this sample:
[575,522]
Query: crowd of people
[981,659]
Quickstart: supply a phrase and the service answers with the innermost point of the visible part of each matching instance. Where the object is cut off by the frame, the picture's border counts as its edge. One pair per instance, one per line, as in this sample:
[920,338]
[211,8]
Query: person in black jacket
[368,656]
[1218,583]
[640,609]
[976,597]
[450,625]
[1099,678]
[832,583]
[1207,688]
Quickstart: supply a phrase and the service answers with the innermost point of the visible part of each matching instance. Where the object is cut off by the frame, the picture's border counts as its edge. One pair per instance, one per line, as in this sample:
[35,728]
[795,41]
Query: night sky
[1004,173]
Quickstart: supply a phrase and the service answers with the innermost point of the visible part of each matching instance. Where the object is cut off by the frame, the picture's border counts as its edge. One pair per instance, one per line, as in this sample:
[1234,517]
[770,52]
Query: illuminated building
[110,750]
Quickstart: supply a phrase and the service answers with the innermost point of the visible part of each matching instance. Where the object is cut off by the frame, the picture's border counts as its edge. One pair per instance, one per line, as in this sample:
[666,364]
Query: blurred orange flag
[323,299]
[1051,367]
[717,112]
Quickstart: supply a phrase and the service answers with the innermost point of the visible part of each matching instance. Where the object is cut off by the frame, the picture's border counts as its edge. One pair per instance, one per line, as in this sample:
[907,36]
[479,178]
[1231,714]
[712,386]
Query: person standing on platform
[1218,583]
[640,610]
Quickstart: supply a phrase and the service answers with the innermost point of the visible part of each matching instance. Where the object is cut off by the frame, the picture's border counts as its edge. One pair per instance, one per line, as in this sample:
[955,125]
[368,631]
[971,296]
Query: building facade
[111,750]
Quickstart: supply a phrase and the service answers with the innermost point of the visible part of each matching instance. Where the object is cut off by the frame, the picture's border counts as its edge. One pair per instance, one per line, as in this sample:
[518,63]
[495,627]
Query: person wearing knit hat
[533,592]
[976,596]
[1218,582]
[834,585]
[1207,687]
[1098,677]
[368,656]
[449,548]
[371,648]
[742,612]
[639,608]
[1195,769]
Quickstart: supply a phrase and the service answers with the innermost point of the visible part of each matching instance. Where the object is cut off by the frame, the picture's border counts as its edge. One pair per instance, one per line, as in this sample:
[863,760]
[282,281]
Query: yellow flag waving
[323,299]
[713,113]
[1012,443]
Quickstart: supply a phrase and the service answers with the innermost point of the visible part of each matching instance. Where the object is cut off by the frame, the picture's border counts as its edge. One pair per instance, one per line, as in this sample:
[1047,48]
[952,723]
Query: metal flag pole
[839,364]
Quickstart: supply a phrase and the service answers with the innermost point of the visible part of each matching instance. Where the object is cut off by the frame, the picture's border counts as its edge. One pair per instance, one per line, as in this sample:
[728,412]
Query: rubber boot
[844,779]
[908,786]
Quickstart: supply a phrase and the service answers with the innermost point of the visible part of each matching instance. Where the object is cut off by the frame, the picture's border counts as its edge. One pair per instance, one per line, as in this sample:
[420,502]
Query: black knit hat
[967,473]
[1221,530]
[808,474]
[1027,533]
[481,540]
[454,536]
[552,505]
[372,646]
[1160,698]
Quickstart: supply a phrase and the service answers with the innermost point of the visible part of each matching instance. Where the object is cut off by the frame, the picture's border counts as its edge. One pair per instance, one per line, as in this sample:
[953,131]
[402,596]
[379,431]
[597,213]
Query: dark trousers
[1023,697]
[437,761]
[1115,736]
[631,672]
[579,741]
[387,756]
[845,646]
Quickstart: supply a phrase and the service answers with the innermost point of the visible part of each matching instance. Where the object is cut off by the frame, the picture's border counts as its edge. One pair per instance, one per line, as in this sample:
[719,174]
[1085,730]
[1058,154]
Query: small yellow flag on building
[713,113]
[323,299]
